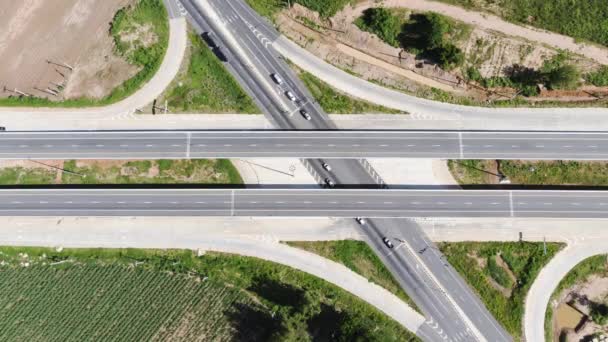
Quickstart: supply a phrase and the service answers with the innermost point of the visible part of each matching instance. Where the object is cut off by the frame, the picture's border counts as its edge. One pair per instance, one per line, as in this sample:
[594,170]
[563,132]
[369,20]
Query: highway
[304,144]
[246,39]
[304,202]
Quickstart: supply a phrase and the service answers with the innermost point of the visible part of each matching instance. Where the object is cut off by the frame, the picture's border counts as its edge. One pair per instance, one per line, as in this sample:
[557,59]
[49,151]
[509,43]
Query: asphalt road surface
[303,144]
[246,41]
[304,202]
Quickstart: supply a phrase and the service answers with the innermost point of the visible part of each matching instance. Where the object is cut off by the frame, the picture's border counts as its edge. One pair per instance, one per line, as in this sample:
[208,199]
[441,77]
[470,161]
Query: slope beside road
[480,117]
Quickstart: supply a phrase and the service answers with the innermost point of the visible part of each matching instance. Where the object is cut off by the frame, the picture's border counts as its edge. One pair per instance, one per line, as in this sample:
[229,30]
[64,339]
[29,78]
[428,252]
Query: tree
[436,27]
[383,23]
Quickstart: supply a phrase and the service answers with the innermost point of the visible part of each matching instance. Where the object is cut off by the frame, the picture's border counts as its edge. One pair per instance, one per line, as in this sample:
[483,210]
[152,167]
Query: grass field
[153,295]
[524,260]
[533,172]
[586,20]
[357,256]
[334,102]
[207,87]
[195,171]
[595,265]
[145,12]
[19,175]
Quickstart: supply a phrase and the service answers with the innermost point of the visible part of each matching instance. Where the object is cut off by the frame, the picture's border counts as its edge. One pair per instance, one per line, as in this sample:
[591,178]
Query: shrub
[563,77]
[598,78]
[449,56]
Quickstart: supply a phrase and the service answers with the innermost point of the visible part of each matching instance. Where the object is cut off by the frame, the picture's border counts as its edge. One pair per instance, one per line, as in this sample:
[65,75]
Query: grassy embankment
[196,171]
[206,86]
[144,13]
[103,294]
[335,102]
[595,265]
[584,20]
[533,172]
[501,273]
[357,256]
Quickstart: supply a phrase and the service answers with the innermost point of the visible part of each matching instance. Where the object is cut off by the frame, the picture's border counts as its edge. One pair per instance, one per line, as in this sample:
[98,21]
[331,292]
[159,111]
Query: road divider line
[511,203]
[189,135]
[460,145]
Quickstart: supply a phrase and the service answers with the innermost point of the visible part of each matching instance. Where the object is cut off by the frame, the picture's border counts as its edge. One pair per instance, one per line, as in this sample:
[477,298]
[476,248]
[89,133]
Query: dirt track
[74,32]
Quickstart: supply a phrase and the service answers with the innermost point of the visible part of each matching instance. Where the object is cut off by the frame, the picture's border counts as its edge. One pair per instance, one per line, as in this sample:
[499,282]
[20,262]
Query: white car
[305,115]
[290,96]
[387,242]
[329,183]
[326,167]
[277,79]
[361,220]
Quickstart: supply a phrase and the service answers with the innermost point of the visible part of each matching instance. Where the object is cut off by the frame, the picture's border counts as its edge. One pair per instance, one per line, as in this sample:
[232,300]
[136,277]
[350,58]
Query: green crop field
[154,295]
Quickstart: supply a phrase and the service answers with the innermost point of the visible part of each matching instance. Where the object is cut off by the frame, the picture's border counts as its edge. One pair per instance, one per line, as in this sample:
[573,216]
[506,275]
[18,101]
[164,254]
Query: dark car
[2,128]
[208,37]
[220,54]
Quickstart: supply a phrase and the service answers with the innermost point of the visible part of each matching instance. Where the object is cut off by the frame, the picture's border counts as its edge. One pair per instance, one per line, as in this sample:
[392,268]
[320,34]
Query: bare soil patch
[581,296]
[339,41]
[68,32]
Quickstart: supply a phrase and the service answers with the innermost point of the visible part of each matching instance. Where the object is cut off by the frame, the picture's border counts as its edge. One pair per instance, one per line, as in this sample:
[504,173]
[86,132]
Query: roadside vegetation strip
[334,102]
[594,266]
[503,292]
[326,8]
[357,256]
[175,294]
[163,171]
[148,21]
[530,172]
[579,19]
[206,86]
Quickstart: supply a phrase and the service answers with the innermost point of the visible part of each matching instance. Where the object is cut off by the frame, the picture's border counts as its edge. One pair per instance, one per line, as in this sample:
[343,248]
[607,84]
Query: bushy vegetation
[524,259]
[207,87]
[428,35]
[555,73]
[150,13]
[598,78]
[498,273]
[147,295]
[335,102]
[580,19]
[361,259]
